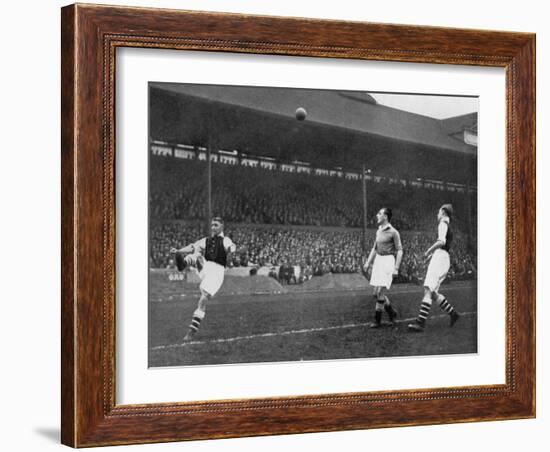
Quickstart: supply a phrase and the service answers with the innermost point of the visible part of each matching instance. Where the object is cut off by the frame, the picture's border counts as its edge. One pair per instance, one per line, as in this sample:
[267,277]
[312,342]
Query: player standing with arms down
[209,255]
[386,253]
[440,263]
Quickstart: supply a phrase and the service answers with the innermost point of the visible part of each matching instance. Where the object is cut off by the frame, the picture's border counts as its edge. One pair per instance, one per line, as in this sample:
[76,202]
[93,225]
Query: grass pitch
[306,326]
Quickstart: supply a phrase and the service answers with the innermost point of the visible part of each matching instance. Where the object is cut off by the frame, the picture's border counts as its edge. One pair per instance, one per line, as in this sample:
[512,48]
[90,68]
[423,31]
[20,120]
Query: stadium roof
[459,123]
[183,116]
[347,109]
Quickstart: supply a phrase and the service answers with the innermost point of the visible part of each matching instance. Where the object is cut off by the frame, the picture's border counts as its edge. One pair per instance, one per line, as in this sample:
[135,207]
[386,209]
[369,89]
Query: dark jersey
[215,251]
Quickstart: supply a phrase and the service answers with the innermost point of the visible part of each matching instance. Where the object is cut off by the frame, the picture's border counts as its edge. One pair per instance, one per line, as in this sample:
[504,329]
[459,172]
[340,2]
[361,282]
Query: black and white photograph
[292,224]
[203,183]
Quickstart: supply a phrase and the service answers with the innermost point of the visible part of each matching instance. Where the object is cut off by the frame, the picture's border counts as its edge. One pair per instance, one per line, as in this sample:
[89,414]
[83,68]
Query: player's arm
[371,257]
[230,246]
[185,250]
[197,247]
[441,238]
[399,256]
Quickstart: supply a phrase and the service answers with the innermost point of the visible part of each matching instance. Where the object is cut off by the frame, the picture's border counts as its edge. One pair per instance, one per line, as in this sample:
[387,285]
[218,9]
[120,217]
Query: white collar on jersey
[221,234]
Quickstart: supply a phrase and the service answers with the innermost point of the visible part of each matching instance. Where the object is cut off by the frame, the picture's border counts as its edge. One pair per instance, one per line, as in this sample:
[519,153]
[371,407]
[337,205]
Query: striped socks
[424,312]
[449,309]
[419,323]
[198,315]
[445,305]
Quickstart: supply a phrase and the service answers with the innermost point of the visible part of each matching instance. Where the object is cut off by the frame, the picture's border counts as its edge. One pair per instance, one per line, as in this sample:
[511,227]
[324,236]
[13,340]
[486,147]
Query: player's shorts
[382,271]
[437,270]
[211,276]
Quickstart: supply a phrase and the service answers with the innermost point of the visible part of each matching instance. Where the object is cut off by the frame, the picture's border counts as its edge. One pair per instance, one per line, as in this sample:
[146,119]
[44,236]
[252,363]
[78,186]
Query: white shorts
[437,270]
[211,277]
[382,271]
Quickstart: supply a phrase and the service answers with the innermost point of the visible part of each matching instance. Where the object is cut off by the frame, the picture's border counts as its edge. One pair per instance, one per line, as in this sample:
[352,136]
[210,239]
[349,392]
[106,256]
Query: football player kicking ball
[386,265]
[209,257]
[437,271]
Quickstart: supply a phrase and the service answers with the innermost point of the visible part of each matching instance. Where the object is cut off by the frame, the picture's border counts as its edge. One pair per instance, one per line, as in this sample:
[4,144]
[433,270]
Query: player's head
[446,210]
[384,215]
[216,225]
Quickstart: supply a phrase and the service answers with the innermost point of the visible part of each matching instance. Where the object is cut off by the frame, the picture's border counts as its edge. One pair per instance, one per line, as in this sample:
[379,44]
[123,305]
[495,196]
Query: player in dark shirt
[385,257]
[210,256]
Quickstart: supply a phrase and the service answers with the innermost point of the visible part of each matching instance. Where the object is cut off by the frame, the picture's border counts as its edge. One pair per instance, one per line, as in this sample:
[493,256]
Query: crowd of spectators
[310,251]
[298,225]
[242,194]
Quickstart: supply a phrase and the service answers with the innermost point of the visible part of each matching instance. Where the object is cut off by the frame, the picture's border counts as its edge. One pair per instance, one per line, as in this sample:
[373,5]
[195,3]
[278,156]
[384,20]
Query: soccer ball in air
[301,113]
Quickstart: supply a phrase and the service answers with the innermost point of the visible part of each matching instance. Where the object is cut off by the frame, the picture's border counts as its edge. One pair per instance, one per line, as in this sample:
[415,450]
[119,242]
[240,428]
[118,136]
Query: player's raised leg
[184,261]
[209,255]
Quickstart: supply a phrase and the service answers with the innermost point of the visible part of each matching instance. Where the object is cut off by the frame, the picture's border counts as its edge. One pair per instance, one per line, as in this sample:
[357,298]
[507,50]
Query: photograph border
[90,35]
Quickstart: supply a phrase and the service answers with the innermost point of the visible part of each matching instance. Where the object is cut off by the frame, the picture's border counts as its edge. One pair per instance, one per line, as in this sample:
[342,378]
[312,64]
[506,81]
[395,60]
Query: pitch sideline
[222,298]
[291,332]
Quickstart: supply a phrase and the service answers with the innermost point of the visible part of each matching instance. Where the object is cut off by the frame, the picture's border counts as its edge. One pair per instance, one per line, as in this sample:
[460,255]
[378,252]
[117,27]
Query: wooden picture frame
[90,36]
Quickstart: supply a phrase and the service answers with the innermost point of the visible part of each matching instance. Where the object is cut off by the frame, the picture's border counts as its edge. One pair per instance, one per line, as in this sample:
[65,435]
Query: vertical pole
[209,181]
[469,211]
[209,168]
[364,208]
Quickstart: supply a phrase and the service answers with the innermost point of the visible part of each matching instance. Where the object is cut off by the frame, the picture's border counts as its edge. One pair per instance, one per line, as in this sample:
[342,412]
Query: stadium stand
[296,220]
[243,194]
[315,250]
